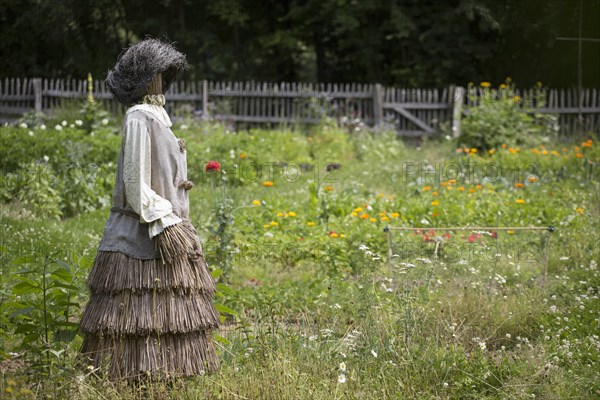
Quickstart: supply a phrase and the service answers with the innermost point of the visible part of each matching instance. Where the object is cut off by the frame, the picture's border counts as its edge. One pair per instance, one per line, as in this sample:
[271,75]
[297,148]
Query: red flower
[213,166]
[472,238]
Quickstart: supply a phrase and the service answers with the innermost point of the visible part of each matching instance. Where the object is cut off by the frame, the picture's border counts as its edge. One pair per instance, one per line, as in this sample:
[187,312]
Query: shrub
[502,117]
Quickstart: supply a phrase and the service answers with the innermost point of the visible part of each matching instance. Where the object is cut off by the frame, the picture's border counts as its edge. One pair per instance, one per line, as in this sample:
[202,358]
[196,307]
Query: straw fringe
[113,272]
[177,241]
[152,318]
[154,356]
[127,313]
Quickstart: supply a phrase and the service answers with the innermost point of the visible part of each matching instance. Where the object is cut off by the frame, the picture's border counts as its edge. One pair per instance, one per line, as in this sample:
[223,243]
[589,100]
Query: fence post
[37,92]
[204,100]
[458,93]
[377,105]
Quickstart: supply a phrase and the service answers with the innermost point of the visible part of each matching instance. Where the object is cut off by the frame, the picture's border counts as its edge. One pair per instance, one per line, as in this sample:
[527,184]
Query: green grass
[462,323]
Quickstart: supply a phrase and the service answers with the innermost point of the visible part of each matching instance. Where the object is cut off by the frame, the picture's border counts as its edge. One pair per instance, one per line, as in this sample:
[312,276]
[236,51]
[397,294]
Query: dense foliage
[408,42]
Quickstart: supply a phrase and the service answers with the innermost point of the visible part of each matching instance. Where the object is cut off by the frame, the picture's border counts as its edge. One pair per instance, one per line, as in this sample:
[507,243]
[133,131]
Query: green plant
[503,118]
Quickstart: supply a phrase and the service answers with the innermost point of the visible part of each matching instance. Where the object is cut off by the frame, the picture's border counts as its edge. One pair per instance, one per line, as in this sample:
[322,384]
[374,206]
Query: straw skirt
[152,318]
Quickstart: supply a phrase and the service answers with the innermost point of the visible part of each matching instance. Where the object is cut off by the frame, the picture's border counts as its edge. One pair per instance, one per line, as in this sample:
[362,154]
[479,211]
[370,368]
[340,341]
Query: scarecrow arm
[152,208]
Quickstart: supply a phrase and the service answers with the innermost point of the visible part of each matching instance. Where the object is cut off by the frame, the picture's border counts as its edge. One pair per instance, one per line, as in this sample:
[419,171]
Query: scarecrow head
[148,67]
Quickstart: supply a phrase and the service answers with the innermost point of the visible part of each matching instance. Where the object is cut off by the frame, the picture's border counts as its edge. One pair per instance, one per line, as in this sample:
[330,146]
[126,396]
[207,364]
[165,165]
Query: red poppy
[472,238]
[213,166]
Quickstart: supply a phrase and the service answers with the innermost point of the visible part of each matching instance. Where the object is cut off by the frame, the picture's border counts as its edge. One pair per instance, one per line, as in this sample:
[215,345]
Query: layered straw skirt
[152,318]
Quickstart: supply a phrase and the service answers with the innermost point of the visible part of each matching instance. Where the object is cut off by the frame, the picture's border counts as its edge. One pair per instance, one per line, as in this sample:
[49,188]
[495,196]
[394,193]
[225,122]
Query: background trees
[403,42]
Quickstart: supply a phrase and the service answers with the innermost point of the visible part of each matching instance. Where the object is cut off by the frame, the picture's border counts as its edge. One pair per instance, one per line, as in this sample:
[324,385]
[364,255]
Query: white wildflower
[30,133]
[78,122]
[42,126]
[58,127]
[23,125]
[64,123]
[105,121]
[343,366]
[342,378]
[374,353]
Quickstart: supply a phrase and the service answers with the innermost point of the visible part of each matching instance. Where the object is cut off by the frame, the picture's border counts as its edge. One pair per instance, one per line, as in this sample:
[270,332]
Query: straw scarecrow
[150,311]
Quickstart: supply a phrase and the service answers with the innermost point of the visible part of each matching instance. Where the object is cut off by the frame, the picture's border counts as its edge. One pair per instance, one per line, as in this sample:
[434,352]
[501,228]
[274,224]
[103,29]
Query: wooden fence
[413,112]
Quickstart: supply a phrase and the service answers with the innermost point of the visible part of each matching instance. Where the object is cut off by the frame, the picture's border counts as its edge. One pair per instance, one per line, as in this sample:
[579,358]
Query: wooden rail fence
[412,112]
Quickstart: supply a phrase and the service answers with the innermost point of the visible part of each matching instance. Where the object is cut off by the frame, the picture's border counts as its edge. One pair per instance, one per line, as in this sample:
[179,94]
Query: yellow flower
[461,188]
[510,232]
[519,185]
[554,153]
[267,183]
[485,84]
[310,223]
[342,235]
[358,209]
[532,179]
[292,214]
[334,235]
[580,210]
[516,98]
[538,83]
[386,219]
[502,86]
[280,214]
[395,215]
[426,188]
[256,202]
[373,219]
[380,195]
[364,216]
[11,382]
[435,203]
[434,193]
[491,151]
[328,188]
[545,152]
[274,223]
[266,226]
[354,213]
[520,201]
[473,150]
[243,155]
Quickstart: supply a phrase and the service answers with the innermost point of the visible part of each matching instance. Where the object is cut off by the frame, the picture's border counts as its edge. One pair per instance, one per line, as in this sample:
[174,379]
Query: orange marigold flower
[435,203]
[491,151]
[532,179]
[328,188]
[504,145]
[267,183]
[395,215]
[461,188]
[243,155]
[579,155]
[444,183]
[434,193]
[519,185]
[426,188]
[472,190]
[478,186]
[452,181]
[364,216]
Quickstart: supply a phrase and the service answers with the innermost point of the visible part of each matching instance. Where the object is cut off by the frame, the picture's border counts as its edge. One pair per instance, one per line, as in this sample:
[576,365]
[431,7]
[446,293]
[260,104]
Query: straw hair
[138,65]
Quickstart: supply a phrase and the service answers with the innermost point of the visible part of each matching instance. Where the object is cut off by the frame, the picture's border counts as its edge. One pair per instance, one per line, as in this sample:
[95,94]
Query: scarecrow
[150,312]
